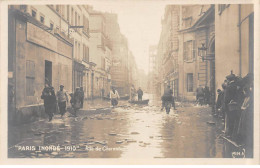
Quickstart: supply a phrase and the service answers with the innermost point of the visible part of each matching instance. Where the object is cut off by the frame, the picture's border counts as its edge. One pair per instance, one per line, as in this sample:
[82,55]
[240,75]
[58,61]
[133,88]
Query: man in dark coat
[49,97]
[168,96]
[199,94]
[140,94]
[231,96]
[206,95]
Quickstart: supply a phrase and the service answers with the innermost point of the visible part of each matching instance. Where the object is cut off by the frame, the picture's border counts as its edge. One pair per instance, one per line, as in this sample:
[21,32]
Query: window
[57,29]
[76,18]
[79,20]
[222,7]
[76,48]
[189,82]
[62,10]
[86,24]
[51,25]
[79,50]
[102,42]
[72,21]
[34,13]
[30,77]
[85,53]
[103,63]
[58,8]
[189,50]
[68,12]
[42,19]
[23,8]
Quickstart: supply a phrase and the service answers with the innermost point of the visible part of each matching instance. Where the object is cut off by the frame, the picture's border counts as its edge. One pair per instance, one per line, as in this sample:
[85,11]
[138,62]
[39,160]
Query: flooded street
[127,131]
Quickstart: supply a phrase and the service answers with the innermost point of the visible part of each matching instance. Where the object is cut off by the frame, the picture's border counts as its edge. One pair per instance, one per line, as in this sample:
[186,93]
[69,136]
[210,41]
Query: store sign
[41,37]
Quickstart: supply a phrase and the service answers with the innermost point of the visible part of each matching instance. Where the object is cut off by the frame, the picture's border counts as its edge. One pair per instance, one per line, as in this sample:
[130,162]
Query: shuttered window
[189,50]
[189,82]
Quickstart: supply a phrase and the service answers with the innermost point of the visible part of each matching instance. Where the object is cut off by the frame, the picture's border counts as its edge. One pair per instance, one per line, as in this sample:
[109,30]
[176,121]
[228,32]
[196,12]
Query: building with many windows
[185,29]
[72,45]
[120,69]
[101,51]
[39,53]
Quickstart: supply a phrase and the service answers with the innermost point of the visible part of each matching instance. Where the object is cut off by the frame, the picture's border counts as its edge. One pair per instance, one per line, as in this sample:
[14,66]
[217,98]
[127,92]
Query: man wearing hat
[230,95]
[62,99]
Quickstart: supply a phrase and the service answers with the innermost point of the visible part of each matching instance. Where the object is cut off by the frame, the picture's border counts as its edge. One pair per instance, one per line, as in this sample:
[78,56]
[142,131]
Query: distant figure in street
[76,101]
[102,93]
[48,95]
[140,94]
[62,100]
[81,97]
[114,96]
[132,92]
[206,95]
[168,96]
[199,94]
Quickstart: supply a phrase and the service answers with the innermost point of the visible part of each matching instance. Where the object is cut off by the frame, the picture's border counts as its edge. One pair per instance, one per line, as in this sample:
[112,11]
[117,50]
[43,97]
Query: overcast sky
[140,22]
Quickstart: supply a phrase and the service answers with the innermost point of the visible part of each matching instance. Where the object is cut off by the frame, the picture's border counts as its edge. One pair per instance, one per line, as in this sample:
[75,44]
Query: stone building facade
[234,40]
[184,29]
[62,44]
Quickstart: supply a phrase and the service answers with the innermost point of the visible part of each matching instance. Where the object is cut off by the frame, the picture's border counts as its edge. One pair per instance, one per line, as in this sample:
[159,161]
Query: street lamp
[202,51]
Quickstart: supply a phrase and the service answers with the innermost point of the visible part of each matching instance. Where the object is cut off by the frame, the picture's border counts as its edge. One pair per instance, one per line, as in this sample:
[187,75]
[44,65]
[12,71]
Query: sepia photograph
[130,80]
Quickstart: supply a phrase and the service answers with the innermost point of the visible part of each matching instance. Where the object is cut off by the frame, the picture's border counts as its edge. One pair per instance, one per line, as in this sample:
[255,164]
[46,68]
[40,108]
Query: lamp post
[202,52]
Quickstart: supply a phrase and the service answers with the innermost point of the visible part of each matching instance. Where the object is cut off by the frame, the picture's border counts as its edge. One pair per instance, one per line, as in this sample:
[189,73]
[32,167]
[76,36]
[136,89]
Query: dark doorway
[48,73]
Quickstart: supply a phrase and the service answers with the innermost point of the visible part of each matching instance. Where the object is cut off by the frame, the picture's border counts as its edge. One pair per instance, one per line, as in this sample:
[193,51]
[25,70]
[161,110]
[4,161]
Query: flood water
[127,131]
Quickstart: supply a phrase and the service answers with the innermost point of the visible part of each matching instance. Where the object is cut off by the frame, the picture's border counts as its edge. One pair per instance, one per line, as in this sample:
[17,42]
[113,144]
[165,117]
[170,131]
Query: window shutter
[194,49]
[185,50]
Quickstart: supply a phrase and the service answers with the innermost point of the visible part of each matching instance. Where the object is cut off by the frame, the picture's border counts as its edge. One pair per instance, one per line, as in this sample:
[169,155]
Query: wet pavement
[127,131]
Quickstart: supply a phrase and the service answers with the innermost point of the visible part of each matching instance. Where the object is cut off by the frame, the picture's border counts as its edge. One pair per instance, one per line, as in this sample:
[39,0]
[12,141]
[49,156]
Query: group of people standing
[59,101]
[235,106]
[139,92]
[203,95]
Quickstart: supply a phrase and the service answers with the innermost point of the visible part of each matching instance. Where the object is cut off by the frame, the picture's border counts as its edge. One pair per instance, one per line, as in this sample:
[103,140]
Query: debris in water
[119,142]
[131,140]
[112,134]
[134,132]
[38,134]
[211,123]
